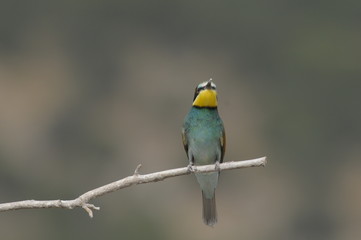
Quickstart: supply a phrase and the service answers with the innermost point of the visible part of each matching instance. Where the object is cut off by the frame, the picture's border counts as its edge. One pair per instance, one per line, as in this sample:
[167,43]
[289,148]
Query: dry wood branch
[136,178]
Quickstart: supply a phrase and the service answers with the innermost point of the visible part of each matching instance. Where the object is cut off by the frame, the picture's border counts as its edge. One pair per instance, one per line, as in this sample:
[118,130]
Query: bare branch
[136,172]
[83,200]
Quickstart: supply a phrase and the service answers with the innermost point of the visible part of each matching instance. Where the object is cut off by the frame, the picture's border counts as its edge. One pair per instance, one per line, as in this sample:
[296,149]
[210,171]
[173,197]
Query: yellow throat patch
[206,98]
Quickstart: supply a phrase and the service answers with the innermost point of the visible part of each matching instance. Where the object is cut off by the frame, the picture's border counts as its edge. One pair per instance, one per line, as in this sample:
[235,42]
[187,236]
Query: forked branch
[136,178]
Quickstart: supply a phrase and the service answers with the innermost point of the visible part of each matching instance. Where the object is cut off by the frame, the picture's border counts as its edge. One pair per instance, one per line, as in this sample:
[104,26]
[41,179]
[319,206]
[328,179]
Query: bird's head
[205,95]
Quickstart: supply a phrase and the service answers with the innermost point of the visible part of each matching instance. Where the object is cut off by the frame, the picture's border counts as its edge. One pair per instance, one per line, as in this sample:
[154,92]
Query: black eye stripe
[202,88]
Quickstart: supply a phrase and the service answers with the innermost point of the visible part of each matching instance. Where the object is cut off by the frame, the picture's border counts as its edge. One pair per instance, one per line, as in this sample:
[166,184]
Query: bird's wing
[185,141]
[222,141]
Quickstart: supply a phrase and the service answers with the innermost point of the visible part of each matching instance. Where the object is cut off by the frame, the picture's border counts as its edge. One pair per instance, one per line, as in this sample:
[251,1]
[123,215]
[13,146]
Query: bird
[204,141]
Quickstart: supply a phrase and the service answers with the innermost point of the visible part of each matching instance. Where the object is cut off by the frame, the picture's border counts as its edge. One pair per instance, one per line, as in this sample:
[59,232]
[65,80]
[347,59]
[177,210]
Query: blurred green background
[90,89]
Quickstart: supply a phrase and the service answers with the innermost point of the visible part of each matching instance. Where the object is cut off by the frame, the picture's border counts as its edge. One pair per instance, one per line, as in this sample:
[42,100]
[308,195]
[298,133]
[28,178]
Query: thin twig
[83,200]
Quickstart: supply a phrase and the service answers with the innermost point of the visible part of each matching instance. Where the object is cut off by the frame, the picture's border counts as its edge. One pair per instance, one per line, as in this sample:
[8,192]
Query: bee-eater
[204,141]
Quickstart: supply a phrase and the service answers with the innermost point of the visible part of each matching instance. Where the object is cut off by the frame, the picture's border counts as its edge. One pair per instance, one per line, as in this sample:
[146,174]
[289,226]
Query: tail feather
[209,210]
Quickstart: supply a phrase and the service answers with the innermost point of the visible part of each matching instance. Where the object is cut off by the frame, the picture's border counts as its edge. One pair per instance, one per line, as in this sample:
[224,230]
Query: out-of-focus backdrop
[90,89]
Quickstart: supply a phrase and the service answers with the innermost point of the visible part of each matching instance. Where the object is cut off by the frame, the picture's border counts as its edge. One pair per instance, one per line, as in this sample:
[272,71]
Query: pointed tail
[209,210]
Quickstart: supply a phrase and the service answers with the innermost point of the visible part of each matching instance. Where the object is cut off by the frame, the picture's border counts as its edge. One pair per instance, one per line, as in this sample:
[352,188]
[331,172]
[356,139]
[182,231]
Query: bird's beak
[209,84]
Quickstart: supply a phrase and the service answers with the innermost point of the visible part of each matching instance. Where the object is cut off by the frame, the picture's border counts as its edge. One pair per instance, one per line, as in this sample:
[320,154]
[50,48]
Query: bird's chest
[203,129]
[204,143]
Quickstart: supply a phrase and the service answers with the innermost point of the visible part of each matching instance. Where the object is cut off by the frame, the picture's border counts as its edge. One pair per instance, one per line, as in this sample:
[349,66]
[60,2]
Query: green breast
[203,128]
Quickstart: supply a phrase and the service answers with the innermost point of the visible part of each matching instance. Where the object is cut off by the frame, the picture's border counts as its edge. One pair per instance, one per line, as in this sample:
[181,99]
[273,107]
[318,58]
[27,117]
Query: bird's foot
[217,166]
[190,168]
